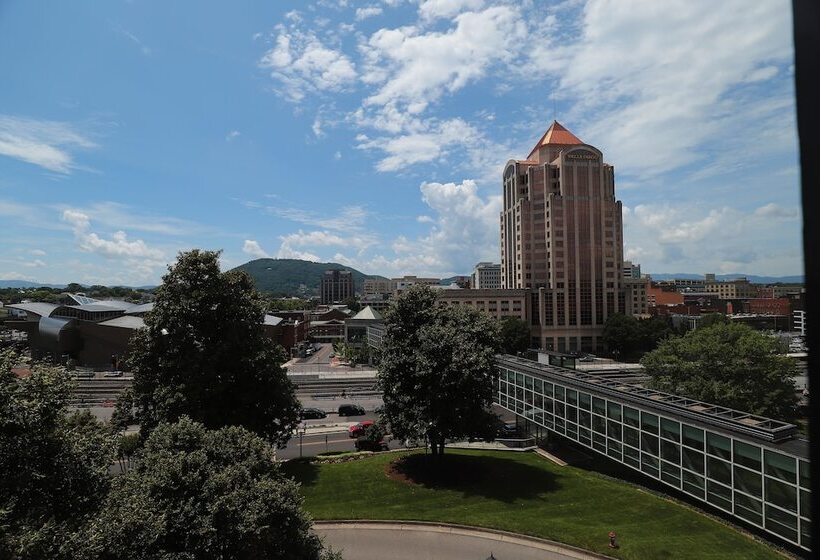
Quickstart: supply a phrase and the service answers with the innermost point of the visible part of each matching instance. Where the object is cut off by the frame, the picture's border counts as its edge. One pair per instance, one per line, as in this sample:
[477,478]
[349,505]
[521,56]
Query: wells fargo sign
[581,155]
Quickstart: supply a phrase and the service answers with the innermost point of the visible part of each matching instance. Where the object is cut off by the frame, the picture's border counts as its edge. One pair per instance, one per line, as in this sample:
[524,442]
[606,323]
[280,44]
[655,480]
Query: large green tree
[54,464]
[727,364]
[628,338]
[210,494]
[437,369]
[515,335]
[203,353]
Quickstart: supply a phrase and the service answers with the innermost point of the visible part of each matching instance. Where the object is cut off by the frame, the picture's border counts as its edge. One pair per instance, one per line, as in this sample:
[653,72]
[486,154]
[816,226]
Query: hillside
[751,277]
[284,276]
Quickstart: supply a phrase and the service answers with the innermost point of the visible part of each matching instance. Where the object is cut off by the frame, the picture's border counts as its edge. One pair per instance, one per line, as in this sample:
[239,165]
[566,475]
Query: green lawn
[523,493]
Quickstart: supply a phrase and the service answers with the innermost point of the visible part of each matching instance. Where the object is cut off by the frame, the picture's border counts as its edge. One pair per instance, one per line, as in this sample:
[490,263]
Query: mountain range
[296,277]
[286,276]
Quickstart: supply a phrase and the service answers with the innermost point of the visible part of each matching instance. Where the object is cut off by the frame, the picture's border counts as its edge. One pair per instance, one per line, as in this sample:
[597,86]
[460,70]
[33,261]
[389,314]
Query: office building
[337,286]
[631,270]
[562,238]
[398,285]
[498,303]
[486,276]
[731,289]
[754,469]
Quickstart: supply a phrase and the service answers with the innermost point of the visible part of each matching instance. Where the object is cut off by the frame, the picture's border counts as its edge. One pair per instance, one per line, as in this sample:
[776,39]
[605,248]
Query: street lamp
[301,431]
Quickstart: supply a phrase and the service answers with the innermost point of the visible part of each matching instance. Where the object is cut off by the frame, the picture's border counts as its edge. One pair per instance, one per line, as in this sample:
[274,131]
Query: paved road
[398,541]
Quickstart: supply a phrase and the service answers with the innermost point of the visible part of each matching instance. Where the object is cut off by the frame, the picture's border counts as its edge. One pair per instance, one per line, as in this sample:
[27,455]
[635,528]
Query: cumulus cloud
[639,74]
[253,249]
[434,9]
[48,144]
[415,68]
[118,246]
[232,135]
[364,13]
[690,238]
[301,63]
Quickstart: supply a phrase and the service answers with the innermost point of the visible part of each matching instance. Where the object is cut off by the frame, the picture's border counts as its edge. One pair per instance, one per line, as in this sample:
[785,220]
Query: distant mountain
[284,276]
[27,284]
[750,277]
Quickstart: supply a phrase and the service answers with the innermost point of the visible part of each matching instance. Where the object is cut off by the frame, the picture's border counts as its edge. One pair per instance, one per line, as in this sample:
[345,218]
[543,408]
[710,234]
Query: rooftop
[556,135]
[733,421]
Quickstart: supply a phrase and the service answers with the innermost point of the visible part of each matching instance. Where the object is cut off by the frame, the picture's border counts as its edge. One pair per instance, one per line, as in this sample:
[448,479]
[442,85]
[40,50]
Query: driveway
[368,540]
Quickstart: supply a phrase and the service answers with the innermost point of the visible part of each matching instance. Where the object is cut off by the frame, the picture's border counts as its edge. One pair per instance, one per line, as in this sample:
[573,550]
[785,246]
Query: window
[649,423]
[631,417]
[780,466]
[670,429]
[749,509]
[613,410]
[718,470]
[718,445]
[781,494]
[649,444]
[748,481]
[781,523]
[747,455]
[599,406]
[670,451]
[719,495]
[693,437]
[693,484]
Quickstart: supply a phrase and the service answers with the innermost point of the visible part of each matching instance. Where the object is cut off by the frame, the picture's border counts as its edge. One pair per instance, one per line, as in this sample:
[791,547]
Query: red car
[358,429]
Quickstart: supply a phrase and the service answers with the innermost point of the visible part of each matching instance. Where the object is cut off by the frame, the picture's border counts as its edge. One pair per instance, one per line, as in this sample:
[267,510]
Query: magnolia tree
[203,353]
[437,369]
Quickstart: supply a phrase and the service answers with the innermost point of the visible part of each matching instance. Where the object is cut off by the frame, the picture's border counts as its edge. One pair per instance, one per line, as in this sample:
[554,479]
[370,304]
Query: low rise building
[498,303]
[740,288]
[487,276]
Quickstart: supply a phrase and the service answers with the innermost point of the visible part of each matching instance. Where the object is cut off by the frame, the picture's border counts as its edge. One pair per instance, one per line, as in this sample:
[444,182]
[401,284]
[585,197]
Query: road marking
[328,441]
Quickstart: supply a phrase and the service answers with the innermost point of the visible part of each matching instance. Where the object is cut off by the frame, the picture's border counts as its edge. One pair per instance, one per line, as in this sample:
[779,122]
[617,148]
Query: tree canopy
[437,369]
[203,353]
[54,465]
[727,364]
[198,493]
[628,338]
[515,335]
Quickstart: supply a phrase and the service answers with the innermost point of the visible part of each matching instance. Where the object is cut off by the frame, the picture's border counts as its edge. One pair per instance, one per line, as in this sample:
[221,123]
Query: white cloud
[13,275]
[232,135]
[424,219]
[38,252]
[36,263]
[337,156]
[347,218]
[420,147]
[118,246]
[687,238]
[416,68]
[301,63]
[639,74]
[773,210]
[253,248]
[434,9]
[44,143]
[116,215]
[364,13]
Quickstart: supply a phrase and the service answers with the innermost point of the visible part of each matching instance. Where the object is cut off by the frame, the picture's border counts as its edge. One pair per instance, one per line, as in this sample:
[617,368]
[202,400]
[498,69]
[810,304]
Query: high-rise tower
[562,237]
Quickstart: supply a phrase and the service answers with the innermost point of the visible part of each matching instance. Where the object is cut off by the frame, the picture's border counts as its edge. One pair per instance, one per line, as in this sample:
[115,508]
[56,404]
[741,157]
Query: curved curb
[465,530]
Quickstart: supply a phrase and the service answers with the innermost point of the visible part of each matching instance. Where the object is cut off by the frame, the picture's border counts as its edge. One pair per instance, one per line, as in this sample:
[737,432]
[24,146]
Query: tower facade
[562,238]
[337,286]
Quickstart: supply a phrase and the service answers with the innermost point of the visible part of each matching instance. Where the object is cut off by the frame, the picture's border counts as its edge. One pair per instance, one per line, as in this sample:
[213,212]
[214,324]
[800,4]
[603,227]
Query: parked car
[506,430]
[312,413]
[587,358]
[350,410]
[364,444]
[357,430]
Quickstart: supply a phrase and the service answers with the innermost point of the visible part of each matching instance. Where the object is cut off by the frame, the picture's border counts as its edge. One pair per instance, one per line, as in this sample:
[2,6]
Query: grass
[523,493]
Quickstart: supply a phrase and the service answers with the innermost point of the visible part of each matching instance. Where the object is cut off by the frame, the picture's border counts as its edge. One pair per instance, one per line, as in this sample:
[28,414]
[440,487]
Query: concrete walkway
[379,540]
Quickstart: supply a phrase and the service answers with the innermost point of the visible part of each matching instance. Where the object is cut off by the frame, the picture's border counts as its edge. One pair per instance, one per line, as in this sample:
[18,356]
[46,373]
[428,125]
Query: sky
[374,133]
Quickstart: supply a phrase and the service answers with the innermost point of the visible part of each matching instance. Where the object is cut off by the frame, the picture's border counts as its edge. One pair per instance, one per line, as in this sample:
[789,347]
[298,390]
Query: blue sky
[374,133]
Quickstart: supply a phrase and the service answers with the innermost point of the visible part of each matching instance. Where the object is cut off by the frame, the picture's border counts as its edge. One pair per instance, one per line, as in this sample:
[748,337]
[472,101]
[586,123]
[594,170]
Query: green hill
[285,276]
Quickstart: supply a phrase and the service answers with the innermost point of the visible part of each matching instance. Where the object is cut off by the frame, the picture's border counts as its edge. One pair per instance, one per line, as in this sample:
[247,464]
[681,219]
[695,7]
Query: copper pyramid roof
[556,134]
